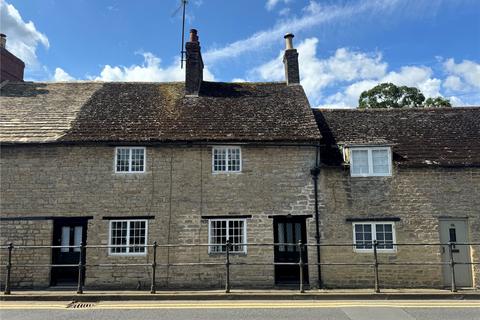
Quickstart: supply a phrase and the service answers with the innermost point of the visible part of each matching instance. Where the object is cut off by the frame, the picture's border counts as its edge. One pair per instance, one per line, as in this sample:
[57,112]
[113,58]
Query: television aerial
[182,6]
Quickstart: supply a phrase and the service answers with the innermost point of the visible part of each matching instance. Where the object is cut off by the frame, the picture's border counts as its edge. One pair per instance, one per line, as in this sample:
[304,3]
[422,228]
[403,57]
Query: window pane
[219,159]
[384,236]
[380,161]
[65,239]
[221,230]
[359,161]
[234,159]
[363,236]
[290,236]
[138,159]
[123,155]
[77,238]
[218,231]
[236,235]
[119,237]
[137,236]
[281,236]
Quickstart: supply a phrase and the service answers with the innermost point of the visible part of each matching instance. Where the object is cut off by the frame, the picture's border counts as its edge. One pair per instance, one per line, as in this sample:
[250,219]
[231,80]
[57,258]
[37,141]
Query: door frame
[58,223]
[303,227]
[446,268]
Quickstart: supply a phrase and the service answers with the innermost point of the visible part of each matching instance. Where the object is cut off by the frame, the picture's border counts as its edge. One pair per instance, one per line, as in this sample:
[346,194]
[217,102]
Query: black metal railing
[300,247]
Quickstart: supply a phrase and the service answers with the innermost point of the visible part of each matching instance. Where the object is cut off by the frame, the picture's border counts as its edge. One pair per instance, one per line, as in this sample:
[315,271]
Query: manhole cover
[81,305]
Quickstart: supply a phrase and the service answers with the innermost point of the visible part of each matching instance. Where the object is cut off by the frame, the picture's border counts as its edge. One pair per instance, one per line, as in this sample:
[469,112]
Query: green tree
[388,95]
[437,102]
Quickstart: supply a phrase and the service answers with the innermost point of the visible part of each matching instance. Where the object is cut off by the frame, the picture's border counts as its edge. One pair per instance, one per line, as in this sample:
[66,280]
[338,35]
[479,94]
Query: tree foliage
[388,95]
[437,102]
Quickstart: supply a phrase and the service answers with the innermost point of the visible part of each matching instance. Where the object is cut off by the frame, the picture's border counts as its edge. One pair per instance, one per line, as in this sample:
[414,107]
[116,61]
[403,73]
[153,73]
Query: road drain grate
[81,305]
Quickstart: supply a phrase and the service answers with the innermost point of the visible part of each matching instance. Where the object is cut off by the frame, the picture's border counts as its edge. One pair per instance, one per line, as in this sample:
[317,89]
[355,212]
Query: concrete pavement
[245,309]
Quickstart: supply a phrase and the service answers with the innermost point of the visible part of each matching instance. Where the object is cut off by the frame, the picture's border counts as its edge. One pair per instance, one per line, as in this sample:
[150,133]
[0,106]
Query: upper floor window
[364,233]
[130,159]
[226,159]
[371,161]
[125,235]
[221,230]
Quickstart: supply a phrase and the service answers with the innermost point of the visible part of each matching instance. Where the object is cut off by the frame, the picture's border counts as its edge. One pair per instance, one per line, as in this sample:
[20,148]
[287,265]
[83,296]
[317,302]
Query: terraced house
[122,165]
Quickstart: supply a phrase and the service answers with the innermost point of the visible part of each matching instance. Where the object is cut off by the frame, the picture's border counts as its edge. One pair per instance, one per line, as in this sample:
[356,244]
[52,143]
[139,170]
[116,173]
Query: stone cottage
[405,176]
[122,164]
[118,166]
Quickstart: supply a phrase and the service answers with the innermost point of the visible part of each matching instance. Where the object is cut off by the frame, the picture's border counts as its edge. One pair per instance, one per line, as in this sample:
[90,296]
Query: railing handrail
[300,247]
[171,245]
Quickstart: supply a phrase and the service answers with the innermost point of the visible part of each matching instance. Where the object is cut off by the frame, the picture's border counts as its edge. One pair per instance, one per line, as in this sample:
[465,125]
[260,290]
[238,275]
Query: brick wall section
[418,196]
[177,188]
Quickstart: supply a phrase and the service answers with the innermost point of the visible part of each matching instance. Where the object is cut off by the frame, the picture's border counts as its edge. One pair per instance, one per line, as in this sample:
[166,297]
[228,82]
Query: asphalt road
[239,310]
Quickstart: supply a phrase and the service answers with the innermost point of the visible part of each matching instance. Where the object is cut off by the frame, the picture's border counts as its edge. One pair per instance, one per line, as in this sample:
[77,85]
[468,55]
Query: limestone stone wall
[26,233]
[177,189]
[419,197]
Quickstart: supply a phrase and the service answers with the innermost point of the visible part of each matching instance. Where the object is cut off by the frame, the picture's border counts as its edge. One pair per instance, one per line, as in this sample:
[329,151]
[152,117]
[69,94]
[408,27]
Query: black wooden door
[67,232]
[289,230]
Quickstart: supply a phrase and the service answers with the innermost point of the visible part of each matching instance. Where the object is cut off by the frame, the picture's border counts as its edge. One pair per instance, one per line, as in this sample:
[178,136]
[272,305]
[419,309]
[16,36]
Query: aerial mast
[182,49]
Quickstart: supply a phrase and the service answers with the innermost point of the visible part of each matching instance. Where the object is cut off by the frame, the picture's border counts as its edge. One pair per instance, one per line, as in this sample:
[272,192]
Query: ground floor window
[126,233]
[364,233]
[221,230]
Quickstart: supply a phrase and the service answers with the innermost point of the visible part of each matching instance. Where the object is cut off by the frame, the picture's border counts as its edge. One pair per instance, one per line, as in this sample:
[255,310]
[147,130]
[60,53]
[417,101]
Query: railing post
[227,266]
[300,264]
[375,266]
[9,269]
[153,287]
[80,269]
[452,267]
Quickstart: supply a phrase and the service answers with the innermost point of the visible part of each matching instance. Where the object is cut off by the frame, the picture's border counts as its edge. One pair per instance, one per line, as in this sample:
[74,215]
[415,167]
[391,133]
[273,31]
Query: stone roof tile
[154,112]
[440,136]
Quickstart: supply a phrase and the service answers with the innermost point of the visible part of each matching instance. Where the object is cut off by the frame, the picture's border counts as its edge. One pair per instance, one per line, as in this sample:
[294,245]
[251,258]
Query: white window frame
[130,159]
[373,225]
[370,161]
[227,220]
[110,253]
[226,157]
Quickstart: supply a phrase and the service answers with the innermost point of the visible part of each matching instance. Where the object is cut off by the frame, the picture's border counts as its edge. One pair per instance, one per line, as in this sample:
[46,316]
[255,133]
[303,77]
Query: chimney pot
[289,41]
[3,40]
[290,60]
[193,35]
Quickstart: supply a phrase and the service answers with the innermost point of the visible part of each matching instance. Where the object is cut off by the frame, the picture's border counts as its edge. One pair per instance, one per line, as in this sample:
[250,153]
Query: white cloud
[270,5]
[348,72]
[462,76]
[60,75]
[150,71]
[413,76]
[317,14]
[314,15]
[23,37]
[453,83]
[317,74]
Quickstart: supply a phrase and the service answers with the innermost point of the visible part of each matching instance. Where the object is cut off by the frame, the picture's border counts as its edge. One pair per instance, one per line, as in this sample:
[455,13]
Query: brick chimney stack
[3,40]
[11,67]
[290,60]
[194,65]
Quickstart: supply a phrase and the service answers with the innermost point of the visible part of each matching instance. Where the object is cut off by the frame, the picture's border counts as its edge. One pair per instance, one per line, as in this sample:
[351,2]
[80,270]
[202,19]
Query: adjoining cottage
[400,176]
[178,163]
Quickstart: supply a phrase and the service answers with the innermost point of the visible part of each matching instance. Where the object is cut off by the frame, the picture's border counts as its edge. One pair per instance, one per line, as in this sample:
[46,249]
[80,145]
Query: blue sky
[345,46]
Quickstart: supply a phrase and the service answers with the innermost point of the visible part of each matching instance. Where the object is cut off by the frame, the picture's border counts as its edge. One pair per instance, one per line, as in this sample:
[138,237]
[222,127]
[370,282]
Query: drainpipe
[315,172]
